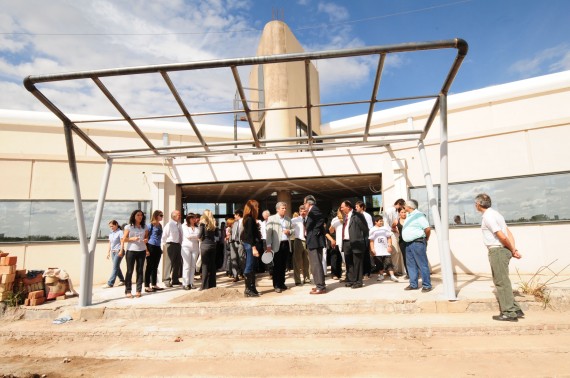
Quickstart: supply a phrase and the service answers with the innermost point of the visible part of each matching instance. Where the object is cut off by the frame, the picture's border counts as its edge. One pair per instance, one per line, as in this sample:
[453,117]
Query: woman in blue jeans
[250,238]
[136,236]
[115,246]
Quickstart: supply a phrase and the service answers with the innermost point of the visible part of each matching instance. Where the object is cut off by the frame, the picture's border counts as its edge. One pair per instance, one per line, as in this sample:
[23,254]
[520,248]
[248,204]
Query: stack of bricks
[7,275]
[35,298]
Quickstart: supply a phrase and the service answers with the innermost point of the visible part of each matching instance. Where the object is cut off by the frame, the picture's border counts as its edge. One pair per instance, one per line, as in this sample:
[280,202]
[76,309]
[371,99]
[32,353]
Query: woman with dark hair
[208,249]
[401,243]
[250,238]
[190,250]
[115,246]
[136,236]
[153,245]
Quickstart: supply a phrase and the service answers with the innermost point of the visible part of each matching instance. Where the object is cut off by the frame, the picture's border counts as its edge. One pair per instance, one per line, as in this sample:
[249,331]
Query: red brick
[36,294]
[7,278]
[7,269]
[9,260]
[37,301]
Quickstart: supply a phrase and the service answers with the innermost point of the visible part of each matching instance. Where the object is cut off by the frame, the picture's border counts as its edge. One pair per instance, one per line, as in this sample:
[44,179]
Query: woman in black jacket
[208,250]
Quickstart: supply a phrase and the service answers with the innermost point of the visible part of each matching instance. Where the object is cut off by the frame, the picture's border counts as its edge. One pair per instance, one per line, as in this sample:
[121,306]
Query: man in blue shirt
[416,232]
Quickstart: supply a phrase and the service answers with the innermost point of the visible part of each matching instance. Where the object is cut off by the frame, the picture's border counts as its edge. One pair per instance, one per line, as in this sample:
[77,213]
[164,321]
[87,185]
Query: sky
[508,40]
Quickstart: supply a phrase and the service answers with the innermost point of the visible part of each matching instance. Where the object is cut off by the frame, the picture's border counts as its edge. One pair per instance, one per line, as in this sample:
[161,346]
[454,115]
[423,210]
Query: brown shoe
[138,294]
[323,291]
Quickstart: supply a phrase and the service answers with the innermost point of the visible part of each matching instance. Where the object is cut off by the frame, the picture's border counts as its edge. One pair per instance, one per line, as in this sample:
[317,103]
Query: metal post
[446,267]
[95,229]
[447,280]
[84,293]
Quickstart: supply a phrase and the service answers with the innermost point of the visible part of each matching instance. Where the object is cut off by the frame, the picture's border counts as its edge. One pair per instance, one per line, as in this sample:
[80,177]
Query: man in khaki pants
[501,245]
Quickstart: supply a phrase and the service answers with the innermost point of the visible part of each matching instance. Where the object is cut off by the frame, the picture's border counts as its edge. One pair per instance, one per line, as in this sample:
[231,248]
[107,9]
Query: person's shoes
[520,314]
[157,288]
[148,290]
[426,289]
[357,286]
[398,274]
[505,318]
[380,278]
[410,287]
[138,294]
[307,280]
[236,279]
[394,279]
[317,292]
[122,283]
[406,277]
[298,284]
[187,287]
[348,284]
[129,295]
[284,287]
[278,290]
[167,284]
[177,284]
[106,286]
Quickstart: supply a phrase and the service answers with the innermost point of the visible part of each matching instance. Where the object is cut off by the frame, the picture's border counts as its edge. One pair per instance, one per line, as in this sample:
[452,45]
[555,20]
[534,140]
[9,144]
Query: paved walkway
[475,293]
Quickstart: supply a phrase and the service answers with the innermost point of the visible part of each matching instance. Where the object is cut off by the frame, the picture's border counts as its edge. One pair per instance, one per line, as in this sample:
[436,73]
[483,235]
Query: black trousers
[152,261]
[174,251]
[280,264]
[134,258]
[354,262]
[208,255]
[336,262]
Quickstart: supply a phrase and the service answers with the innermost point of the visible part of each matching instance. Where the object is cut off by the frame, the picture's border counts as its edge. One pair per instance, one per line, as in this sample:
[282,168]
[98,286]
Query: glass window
[540,198]
[56,220]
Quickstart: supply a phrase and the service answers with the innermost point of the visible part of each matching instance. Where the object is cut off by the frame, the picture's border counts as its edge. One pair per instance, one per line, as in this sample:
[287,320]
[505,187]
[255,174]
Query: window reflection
[522,199]
[55,220]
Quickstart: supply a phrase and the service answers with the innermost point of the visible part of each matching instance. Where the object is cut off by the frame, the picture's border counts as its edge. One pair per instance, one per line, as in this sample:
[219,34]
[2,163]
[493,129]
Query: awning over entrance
[255,143]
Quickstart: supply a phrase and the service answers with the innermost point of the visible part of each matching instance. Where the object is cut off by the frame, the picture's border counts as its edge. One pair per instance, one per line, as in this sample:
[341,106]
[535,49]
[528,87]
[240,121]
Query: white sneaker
[394,279]
[106,286]
[380,278]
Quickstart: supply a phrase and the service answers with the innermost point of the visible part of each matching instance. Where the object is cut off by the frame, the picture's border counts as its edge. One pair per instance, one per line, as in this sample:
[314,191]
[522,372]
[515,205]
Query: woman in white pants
[190,250]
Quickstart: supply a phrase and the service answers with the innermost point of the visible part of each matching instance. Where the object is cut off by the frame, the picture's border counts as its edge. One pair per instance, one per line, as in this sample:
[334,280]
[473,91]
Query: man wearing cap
[501,245]
[416,232]
[278,232]
[315,239]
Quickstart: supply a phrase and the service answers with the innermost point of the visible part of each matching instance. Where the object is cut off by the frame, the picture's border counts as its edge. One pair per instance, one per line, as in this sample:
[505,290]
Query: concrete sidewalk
[475,293]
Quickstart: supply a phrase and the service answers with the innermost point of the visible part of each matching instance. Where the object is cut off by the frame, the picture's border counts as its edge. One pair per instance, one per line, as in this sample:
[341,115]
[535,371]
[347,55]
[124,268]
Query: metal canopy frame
[307,143]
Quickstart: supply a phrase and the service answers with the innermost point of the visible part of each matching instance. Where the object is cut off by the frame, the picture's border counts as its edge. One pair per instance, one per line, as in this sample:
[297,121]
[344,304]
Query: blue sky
[508,40]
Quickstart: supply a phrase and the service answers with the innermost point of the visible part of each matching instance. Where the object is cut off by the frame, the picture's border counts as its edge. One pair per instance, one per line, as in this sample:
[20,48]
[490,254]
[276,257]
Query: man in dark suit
[354,239]
[315,239]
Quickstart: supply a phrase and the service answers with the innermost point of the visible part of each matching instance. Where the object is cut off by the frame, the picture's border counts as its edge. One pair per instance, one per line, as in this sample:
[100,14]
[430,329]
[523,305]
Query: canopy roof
[205,146]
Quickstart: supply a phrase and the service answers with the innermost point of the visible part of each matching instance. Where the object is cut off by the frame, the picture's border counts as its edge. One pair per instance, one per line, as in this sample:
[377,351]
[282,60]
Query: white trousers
[189,257]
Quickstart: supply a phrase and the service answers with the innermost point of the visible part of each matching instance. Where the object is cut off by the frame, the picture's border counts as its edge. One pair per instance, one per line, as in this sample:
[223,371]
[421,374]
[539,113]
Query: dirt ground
[544,355]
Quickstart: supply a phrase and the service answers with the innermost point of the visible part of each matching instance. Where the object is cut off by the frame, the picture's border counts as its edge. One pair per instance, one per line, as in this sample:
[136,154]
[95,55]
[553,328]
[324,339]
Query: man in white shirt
[300,251]
[278,232]
[172,237]
[501,245]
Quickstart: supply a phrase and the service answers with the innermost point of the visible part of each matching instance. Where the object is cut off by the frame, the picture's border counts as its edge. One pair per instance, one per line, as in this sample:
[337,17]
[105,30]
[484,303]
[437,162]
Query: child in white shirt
[381,248]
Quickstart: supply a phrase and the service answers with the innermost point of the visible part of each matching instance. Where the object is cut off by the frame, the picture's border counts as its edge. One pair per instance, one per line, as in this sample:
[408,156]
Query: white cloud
[549,60]
[335,12]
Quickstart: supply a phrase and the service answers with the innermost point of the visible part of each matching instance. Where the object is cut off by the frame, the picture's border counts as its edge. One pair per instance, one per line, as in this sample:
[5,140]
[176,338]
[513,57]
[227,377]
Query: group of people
[353,237]
[139,242]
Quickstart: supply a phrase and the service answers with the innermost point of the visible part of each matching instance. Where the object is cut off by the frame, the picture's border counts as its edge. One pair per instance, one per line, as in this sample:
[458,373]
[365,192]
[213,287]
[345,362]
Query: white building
[507,140]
